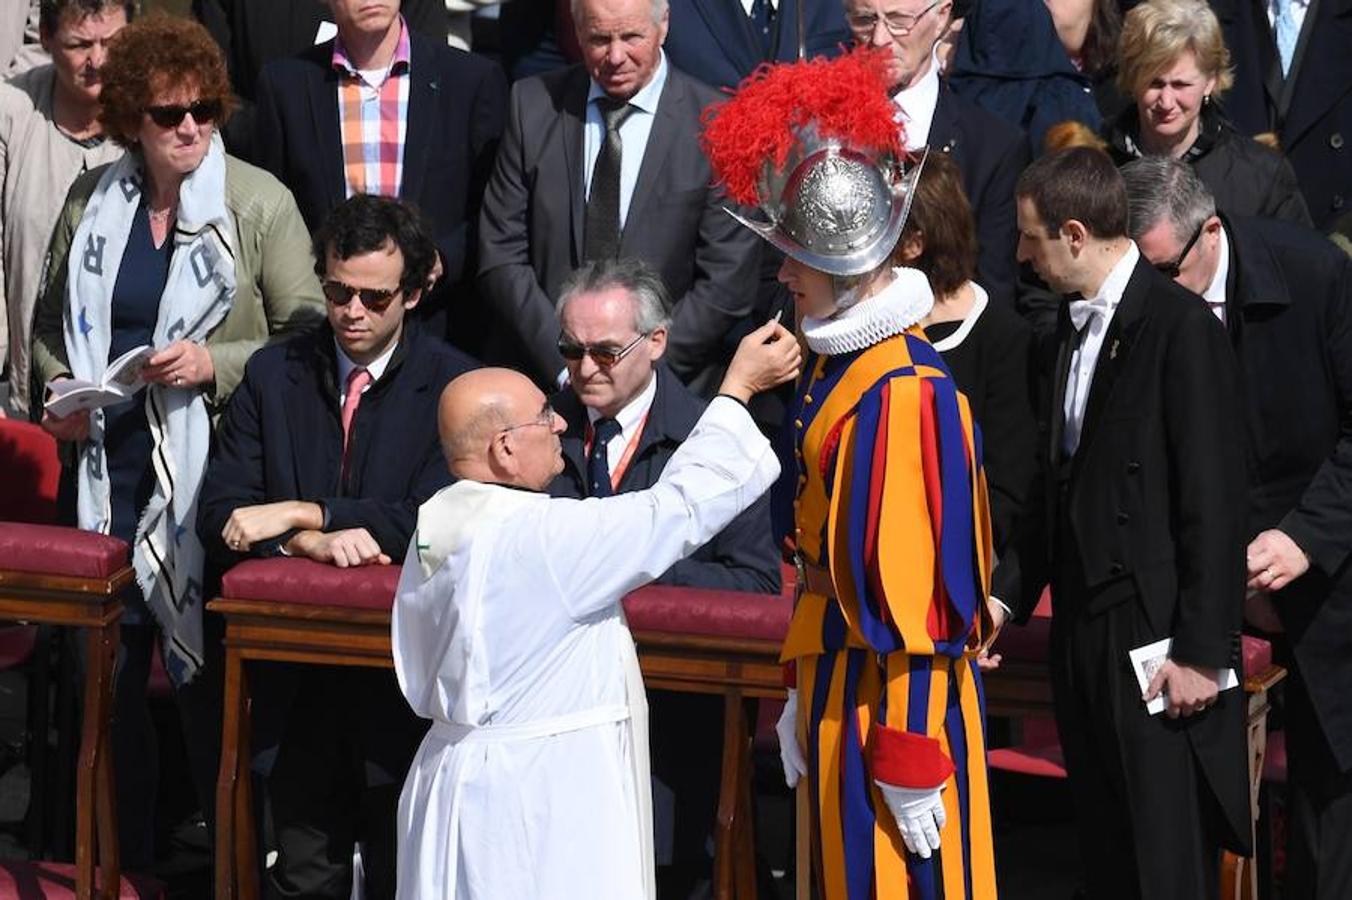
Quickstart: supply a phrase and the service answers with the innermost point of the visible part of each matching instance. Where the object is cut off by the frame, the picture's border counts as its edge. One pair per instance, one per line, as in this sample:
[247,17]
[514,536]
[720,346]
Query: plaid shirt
[373,120]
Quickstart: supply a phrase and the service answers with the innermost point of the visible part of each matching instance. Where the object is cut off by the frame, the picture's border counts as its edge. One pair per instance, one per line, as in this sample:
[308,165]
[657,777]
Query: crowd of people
[975,298]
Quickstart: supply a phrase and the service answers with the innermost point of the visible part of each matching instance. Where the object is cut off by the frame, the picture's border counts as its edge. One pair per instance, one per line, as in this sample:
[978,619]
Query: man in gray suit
[599,160]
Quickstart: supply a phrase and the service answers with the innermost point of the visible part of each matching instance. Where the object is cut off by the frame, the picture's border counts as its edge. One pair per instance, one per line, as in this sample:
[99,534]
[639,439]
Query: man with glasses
[989,153]
[1136,520]
[627,415]
[326,450]
[1285,296]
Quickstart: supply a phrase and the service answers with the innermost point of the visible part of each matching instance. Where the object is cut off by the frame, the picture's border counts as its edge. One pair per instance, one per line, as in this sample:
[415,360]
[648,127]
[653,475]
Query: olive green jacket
[276,289]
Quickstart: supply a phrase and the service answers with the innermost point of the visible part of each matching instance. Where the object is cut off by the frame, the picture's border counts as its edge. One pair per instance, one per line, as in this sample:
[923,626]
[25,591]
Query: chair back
[31,473]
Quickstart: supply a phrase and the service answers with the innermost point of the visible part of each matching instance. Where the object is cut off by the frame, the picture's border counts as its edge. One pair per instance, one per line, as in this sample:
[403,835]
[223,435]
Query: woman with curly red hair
[182,249]
[892,528]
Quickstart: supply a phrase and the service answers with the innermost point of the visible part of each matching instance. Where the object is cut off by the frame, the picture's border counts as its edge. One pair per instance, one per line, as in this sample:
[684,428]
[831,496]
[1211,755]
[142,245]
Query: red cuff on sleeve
[791,674]
[906,760]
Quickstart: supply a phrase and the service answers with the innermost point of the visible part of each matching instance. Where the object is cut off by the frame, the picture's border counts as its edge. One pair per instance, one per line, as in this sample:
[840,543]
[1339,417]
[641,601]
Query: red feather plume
[846,98]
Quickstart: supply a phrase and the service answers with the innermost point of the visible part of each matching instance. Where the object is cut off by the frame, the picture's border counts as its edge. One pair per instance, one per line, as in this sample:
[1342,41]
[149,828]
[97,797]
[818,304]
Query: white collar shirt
[377,368]
[916,104]
[633,133]
[1084,358]
[747,4]
[1214,295]
[630,418]
[1298,10]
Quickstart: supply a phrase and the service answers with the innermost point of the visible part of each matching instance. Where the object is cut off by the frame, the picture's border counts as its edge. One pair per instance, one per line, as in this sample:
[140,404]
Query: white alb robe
[509,634]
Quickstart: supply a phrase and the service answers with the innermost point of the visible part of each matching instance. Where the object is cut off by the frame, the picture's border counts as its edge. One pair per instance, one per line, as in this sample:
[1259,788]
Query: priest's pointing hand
[766,358]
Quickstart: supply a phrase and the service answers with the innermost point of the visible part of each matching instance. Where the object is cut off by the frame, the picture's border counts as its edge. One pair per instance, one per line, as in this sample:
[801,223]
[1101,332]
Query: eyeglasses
[896,23]
[546,417]
[374,299]
[1172,269]
[170,116]
[605,357]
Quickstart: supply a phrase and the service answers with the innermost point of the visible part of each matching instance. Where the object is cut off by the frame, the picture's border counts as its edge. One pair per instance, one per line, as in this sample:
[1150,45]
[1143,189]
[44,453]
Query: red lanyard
[618,475]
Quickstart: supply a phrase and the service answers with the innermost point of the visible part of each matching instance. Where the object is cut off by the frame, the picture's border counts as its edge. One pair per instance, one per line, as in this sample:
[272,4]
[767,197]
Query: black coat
[1246,178]
[1289,312]
[990,154]
[742,557]
[1311,109]
[456,108]
[1151,503]
[281,438]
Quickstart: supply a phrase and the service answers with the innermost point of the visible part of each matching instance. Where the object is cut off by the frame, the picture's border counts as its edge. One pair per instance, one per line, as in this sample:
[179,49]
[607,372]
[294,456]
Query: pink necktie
[357,380]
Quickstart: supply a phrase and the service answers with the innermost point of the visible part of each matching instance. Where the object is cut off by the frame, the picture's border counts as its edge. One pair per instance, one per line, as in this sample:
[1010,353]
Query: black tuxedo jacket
[990,154]
[1311,109]
[742,557]
[1289,314]
[715,41]
[531,229]
[455,113]
[1150,509]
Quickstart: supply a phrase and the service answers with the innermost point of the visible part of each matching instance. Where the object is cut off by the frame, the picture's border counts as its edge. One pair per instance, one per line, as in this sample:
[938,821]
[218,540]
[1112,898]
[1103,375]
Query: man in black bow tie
[1137,523]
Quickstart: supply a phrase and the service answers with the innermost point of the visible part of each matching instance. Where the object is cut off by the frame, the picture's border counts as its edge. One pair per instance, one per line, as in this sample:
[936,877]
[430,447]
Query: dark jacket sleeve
[235,474]
[391,523]
[1203,419]
[1284,199]
[997,226]
[268,137]
[741,558]
[1008,427]
[506,278]
[1321,523]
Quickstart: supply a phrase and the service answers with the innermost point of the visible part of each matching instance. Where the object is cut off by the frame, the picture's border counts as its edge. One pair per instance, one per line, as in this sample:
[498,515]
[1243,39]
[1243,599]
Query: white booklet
[120,382]
[1146,661]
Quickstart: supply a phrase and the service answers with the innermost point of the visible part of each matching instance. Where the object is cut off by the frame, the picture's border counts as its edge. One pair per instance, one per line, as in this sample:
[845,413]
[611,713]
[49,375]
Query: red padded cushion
[1257,654]
[50,880]
[54,550]
[286,580]
[1039,754]
[735,614]
[28,459]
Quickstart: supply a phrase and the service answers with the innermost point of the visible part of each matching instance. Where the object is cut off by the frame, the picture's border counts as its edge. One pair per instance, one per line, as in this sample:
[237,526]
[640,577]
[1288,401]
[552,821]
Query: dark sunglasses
[374,299]
[1172,269]
[169,116]
[605,357]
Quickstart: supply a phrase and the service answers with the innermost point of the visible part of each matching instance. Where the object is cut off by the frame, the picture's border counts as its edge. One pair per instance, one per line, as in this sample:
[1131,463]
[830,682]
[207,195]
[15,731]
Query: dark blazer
[742,557]
[1149,511]
[714,41]
[252,33]
[990,153]
[1311,109]
[531,229]
[281,438]
[1289,312]
[455,115]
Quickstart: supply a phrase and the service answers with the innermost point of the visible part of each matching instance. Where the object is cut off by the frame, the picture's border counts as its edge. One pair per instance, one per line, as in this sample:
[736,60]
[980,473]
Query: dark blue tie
[598,464]
[760,16]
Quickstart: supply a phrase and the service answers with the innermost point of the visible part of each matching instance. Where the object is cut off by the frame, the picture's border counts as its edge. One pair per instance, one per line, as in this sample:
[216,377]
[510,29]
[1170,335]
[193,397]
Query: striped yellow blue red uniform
[891,499]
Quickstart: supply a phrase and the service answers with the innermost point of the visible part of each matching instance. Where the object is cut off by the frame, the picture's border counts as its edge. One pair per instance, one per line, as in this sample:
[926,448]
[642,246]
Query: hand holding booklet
[1146,661]
[120,382]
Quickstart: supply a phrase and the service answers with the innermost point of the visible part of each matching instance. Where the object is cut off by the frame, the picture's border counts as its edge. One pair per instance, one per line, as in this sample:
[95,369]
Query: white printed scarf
[197,295]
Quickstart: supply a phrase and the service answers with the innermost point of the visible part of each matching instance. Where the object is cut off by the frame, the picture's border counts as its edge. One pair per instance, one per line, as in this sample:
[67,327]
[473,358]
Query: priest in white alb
[532,783]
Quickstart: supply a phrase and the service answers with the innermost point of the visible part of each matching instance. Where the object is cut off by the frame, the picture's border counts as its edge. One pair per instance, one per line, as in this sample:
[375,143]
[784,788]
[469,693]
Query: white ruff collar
[889,312]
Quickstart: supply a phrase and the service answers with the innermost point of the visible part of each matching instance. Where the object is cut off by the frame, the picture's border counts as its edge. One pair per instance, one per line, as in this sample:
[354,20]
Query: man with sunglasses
[627,416]
[325,451]
[1135,519]
[989,152]
[1284,294]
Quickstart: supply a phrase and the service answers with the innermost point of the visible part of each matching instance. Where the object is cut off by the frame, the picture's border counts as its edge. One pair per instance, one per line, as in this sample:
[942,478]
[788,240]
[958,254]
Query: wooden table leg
[246,838]
[95,814]
[229,774]
[802,841]
[729,794]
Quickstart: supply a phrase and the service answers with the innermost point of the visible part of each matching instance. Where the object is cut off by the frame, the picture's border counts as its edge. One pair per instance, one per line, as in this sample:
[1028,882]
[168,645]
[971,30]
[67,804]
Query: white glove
[790,752]
[919,813]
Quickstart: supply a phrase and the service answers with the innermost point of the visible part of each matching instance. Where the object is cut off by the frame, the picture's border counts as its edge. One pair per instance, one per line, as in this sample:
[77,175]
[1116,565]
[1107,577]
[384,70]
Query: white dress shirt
[747,4]
[1298,10]
[376,367]
[1214,295]
[1085,355]
[916,105]
[633,133]
[630,418]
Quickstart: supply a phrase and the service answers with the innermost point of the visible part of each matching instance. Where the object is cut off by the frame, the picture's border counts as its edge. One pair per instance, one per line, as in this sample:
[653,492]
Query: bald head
[496,427]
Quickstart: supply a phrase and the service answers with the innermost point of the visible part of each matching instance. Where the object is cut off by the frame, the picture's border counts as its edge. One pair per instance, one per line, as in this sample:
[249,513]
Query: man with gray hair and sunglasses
[627,415]
[1284,294]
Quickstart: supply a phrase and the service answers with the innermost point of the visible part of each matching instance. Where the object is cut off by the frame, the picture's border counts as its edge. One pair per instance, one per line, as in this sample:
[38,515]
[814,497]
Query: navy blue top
[141,277]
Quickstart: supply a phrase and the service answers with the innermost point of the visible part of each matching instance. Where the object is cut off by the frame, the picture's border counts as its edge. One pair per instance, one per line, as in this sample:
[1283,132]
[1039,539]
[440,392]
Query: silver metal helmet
[835,208]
